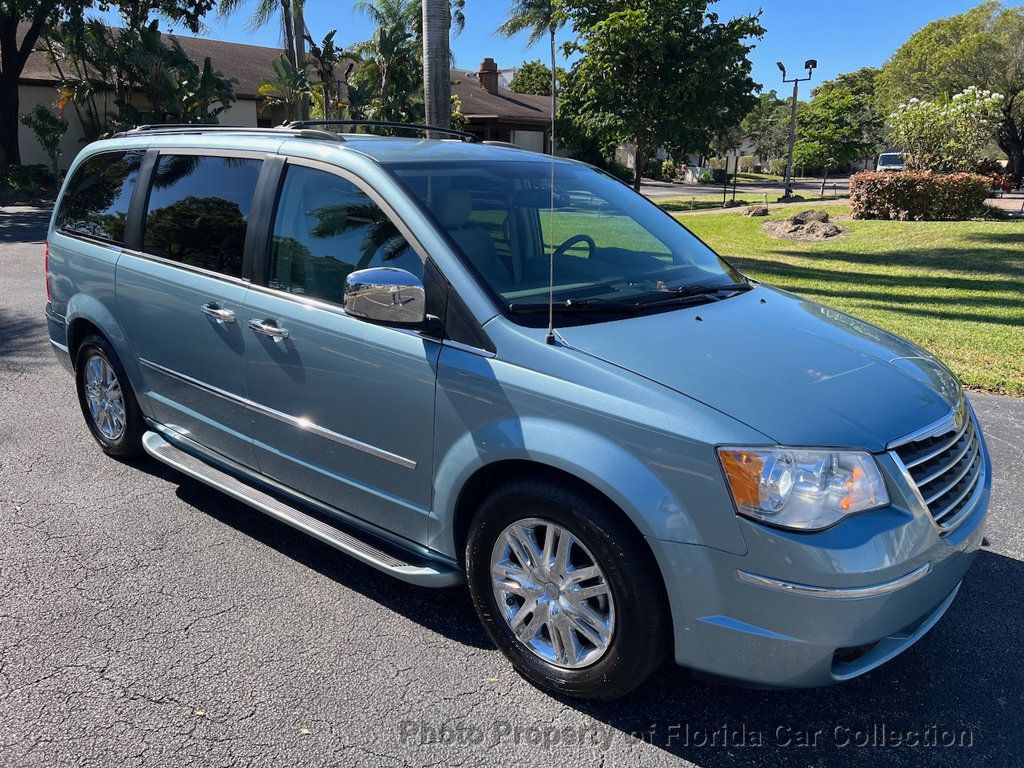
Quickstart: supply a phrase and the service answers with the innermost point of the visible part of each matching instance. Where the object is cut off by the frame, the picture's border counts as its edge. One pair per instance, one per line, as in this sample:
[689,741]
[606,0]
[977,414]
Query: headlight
[802,489]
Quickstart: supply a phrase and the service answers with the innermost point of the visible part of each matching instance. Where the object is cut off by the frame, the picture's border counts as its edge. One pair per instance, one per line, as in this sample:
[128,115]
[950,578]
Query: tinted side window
[198,209]
[97,197]
[326,227]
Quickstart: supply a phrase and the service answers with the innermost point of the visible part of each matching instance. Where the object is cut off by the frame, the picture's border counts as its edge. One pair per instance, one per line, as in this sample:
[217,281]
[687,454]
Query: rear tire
[598,647]
[107,400]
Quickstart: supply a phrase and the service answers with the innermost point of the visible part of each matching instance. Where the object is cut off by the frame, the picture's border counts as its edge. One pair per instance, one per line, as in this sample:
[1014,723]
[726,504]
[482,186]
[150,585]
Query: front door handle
[268,328]
[218,313]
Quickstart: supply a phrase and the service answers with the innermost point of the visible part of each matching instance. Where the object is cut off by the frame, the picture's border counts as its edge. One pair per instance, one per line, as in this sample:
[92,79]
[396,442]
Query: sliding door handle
[268,328]
[218,313]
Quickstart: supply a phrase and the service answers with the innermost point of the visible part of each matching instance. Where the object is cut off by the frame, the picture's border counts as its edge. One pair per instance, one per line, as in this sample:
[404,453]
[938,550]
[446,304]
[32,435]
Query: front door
[180,298]
[343,409]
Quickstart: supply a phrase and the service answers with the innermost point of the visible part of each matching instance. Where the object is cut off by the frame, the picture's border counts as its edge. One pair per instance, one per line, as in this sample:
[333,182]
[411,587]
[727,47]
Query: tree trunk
[10,152]
[1016,165]
[288,22]
[1011,140]
[554,85]
[640,162]
[824,179]
[12,64]
[437,79]
[298,36]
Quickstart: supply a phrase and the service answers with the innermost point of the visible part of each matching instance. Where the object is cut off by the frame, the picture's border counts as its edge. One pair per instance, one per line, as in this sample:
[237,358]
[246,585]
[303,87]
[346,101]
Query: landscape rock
[806,225]
[822,229]
[756,210]
[806,217]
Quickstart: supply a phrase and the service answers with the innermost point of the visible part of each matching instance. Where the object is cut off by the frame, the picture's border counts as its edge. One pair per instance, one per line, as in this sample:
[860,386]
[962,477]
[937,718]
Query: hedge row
[918,195]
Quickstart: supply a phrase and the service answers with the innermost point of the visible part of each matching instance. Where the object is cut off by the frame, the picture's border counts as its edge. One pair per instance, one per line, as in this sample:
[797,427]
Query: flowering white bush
[946,135]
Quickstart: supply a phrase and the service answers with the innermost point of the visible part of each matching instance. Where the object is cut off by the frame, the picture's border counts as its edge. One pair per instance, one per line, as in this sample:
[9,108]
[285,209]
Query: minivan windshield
[890,159]
[612,249]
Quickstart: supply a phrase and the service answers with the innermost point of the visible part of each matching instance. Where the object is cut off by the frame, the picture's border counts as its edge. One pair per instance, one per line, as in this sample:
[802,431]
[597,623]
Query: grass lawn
[759,178]
[954,288]
[703,200]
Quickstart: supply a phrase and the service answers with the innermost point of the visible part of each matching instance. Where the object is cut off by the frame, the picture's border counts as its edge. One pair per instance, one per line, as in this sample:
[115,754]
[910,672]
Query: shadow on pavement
[23,341]
[445,611]
[961,684]
[23,224]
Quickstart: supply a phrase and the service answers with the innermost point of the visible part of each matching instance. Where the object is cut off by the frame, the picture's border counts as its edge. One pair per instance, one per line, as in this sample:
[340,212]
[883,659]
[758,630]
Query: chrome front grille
[945,463]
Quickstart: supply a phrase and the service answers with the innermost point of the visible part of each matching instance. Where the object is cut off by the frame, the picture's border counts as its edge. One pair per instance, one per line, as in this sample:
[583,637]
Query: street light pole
[810,66]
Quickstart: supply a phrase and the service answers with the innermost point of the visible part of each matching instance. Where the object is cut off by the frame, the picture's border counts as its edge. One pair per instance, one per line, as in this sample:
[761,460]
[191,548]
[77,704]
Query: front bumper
[805,610]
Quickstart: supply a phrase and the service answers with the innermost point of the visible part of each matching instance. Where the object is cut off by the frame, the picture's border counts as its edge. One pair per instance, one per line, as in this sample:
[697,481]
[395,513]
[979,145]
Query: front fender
[591,457]
[645,447]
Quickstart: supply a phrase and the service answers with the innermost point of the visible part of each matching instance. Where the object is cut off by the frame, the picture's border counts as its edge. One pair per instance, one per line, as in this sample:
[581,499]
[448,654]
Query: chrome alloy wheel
[106,401]
[552,593]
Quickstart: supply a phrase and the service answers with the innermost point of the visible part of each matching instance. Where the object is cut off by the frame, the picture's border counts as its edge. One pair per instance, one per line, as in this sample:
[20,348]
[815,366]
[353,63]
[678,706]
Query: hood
[796,371]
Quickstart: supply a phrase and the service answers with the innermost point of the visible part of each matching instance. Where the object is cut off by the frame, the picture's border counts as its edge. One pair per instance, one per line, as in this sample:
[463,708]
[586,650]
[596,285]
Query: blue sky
[842,35]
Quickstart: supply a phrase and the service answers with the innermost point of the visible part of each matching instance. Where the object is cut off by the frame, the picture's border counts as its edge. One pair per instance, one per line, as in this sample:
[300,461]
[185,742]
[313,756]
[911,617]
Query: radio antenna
[551,264]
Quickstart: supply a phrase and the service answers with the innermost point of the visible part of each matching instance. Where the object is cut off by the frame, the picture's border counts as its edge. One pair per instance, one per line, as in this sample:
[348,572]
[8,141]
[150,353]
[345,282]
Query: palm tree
[391,67]
[437,79]
[538,18]
[324,58]
[288,88]
[390,13]
[292,22]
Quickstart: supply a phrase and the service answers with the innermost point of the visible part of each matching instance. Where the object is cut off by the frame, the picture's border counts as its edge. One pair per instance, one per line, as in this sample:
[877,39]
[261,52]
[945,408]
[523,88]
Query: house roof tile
[250,65]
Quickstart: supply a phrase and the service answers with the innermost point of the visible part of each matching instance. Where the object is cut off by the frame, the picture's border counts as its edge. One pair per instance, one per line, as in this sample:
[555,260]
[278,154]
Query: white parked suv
[890,161]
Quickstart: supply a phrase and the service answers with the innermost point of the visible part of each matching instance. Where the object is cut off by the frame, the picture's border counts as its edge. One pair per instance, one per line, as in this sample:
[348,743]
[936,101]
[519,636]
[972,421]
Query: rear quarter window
[97,197]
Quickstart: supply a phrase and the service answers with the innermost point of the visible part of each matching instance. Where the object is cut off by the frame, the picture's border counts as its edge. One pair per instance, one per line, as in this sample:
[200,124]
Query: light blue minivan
[461,362]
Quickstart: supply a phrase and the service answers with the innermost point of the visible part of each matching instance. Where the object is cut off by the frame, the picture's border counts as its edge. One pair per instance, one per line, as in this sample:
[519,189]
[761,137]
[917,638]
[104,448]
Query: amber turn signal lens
[743,471]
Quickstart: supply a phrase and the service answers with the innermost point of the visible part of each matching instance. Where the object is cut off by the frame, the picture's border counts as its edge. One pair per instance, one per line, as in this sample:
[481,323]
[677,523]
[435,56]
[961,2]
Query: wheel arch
[78,330]
[490,476]
[88,315]
[502,450]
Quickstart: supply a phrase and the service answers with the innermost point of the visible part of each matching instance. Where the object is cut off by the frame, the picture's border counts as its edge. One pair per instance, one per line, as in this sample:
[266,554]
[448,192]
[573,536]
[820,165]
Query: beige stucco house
[493,112]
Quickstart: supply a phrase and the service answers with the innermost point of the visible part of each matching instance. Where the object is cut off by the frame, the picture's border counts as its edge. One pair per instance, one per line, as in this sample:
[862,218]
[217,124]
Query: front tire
[108,402]
[567,590]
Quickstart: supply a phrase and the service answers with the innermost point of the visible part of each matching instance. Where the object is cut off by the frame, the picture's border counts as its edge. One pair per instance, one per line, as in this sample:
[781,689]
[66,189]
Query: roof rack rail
[299,124]
[185,128]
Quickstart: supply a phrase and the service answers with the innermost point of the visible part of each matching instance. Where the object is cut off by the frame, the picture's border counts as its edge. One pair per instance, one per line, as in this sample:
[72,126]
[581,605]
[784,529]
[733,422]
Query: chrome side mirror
[386,295]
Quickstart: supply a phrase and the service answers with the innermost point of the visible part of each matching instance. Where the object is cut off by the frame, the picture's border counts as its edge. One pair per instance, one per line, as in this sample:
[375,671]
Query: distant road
[750,191]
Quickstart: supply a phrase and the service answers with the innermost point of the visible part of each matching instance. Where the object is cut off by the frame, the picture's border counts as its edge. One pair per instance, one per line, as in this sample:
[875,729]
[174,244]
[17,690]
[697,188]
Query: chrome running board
[422,573]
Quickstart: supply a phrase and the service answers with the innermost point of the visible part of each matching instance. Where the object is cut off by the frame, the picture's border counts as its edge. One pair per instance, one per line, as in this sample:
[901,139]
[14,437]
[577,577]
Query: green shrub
[917,195]
[777,166]
[20,183]
[652,168]
[668,170]
[1001,181]
[747,163]
[49,130]
[988,166]
[619,171]
[713,176]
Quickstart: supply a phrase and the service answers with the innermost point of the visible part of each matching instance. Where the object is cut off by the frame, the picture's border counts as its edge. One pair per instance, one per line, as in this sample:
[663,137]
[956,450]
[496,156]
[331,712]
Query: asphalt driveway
[147,620]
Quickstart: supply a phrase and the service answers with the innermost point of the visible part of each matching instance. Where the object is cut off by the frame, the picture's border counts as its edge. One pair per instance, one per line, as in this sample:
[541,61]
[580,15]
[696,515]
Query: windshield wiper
[687,293]
[683,294]
[577,305]
[704,290]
